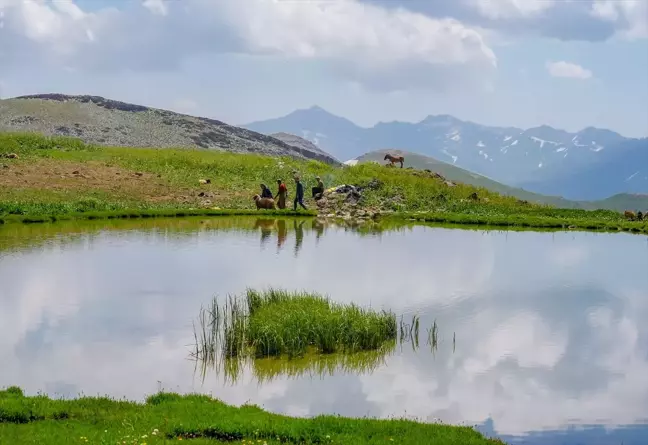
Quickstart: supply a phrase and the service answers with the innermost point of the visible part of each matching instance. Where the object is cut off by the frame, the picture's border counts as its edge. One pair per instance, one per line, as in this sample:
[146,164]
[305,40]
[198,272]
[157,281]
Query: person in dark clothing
[299,195]
[319,190]
[265,191]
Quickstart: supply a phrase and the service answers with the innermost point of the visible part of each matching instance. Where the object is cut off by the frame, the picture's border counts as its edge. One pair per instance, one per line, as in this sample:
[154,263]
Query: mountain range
[102,121]
[591,164]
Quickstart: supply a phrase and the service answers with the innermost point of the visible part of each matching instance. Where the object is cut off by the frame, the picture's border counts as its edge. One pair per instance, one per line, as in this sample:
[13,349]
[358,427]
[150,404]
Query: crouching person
[319,190]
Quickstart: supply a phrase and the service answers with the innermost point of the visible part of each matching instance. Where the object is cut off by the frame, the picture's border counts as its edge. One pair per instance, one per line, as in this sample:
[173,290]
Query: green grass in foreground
[168,417]
[276,322]
[167,185]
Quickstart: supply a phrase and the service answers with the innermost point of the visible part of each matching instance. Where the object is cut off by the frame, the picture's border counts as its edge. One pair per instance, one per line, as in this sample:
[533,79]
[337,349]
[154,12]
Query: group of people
[282,192]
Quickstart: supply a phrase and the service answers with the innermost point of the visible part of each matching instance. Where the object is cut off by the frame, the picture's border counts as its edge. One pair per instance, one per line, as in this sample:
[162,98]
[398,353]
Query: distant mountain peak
[441,119]
[594,130]
[315,110]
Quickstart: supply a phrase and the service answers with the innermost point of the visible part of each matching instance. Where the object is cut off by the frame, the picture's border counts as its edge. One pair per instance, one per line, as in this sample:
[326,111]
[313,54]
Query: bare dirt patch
[48,175]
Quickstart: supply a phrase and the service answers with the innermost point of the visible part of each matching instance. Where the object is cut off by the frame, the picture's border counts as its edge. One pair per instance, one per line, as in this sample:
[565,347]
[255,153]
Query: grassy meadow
[58,178]
[167,418]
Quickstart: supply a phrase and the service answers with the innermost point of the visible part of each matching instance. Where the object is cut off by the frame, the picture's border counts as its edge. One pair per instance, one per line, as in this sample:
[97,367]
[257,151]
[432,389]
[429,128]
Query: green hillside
[619,202]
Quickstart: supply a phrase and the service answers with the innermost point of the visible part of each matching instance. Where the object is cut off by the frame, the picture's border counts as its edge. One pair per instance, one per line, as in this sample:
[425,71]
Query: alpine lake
[533,337]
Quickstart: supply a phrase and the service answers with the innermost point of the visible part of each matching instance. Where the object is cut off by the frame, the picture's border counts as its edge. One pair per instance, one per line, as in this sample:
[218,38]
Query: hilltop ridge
[97,120]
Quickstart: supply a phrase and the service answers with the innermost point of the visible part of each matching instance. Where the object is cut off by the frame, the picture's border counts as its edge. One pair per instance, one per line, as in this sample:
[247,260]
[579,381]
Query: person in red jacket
[281,194]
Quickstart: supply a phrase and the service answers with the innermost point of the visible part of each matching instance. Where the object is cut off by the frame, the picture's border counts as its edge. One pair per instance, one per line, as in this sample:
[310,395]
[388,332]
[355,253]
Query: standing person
[281,194]
[265,191]
[299,195]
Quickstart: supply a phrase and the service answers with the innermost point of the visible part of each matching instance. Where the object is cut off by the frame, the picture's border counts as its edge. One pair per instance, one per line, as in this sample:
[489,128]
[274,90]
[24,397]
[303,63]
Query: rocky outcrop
[346,202]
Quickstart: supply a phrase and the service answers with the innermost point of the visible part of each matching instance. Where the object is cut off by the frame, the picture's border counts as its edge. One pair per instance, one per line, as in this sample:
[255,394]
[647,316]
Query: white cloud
[359,39]
[567,69]
[348,28]
[630,15]
[506,9]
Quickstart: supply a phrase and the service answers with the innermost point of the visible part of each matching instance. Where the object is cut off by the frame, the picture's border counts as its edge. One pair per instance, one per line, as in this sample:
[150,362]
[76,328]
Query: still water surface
[550,329]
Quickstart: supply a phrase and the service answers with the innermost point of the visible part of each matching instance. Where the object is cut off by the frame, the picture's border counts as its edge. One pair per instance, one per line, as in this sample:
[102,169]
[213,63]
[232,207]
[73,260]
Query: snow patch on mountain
[515,142]
[508,138]
[484,154]
[455,136]
[351,162]
[561,149]
[480,144]
[577,143]
[542,142]
[597,148]
[540,165]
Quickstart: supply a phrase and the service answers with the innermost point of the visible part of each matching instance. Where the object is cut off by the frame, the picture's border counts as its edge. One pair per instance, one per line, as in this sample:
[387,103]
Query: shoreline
[168,416]
[520,222]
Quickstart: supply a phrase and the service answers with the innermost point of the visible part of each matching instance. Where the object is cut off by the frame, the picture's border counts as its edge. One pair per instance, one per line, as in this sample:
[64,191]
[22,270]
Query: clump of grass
[277,322]
[289,323]
[409,332]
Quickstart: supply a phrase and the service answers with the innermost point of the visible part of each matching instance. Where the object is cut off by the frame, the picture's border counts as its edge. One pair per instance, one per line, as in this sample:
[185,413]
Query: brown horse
[630,215]
[394,159]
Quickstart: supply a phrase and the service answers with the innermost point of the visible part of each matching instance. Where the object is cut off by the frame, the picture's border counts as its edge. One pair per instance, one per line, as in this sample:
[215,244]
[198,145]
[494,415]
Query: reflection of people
[281,194]
[299,235]
[266,226]
[299,195]
[282,233]
[265,191]
[319,190]
[318,227]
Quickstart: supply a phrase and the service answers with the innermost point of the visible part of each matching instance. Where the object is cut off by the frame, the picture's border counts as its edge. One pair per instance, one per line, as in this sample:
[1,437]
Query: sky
[569,64]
